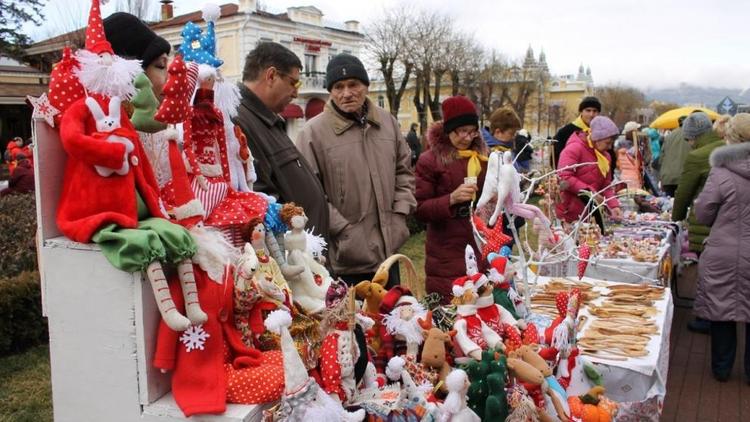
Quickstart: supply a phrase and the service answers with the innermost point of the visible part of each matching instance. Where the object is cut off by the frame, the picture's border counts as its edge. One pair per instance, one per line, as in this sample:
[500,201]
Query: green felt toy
[486,394]
[500,296]
[593,374]
[145,105]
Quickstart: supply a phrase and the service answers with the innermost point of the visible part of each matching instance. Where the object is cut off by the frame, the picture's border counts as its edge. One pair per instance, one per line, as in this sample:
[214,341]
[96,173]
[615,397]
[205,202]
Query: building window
[381,101]
[311,64]
[332,52]
[266,39]
[347,51]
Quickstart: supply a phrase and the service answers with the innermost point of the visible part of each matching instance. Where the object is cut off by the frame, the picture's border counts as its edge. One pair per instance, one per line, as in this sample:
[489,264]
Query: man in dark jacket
[270,81]
[412,138]
[22,179]
[589,108]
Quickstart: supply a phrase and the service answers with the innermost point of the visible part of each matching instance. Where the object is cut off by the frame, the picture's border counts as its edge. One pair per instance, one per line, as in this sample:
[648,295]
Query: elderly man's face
[349,95]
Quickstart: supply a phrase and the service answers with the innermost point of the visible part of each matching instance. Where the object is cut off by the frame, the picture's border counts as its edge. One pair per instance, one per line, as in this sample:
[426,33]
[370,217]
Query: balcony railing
[313,81]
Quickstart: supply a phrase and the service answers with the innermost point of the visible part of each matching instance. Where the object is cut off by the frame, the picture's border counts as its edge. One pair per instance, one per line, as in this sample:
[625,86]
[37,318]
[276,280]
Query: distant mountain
[691,94]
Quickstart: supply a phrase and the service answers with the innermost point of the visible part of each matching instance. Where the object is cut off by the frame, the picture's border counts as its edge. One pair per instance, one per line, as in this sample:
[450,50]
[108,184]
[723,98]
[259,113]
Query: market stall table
[637,383]
[629,270]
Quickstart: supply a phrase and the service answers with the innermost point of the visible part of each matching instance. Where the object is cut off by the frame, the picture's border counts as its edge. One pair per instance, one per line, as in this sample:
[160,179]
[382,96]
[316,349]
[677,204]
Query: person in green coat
[698,131]
[674,152]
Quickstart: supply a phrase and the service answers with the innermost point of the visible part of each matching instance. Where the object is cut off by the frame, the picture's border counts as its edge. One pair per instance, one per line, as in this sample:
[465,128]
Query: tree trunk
[434,99]
[386,68]
[419,105]
[455,80]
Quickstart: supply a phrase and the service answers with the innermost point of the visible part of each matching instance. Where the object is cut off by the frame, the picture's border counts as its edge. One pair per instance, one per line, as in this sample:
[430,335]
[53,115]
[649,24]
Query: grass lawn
[26,392]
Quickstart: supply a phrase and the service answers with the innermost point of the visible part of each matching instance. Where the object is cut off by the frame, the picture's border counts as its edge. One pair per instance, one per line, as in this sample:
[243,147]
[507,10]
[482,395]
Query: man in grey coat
[357,150]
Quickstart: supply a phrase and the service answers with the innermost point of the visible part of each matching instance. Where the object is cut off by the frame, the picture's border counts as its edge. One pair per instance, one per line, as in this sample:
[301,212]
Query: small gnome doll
[495,316]
[472,335]
[402,314]
[560,336]
[339,352]
[303,399]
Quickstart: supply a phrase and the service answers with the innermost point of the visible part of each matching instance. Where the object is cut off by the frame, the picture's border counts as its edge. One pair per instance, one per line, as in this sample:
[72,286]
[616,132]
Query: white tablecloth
[639,384]
[628,270]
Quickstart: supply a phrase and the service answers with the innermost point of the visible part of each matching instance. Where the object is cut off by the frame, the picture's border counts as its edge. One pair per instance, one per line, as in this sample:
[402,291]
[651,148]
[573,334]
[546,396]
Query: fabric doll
[472,335]
[121,212]
[200,48]
[560,336]
[303,398]
[310,286]
[503,183]
[402,322]
[455,408]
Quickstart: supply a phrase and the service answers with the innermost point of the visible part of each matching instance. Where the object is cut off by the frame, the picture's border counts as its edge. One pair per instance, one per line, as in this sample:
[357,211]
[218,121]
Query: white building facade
[301,29]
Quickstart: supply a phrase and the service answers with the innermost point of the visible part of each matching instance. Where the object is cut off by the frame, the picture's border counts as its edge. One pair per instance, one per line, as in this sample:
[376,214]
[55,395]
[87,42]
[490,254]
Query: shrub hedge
[17,234]
[21,321]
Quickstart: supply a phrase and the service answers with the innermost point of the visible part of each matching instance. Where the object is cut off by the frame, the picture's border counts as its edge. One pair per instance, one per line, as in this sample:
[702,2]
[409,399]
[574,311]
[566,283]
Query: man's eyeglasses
[471,133]
[296,83]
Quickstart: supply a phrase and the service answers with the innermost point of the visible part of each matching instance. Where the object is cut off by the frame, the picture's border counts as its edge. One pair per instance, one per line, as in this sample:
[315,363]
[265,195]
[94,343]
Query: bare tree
[428,46]
[621,102]
[387,41]
[144,9]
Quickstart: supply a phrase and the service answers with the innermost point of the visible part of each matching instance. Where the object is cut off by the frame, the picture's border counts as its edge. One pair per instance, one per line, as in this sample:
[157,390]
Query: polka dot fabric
[96,42]
[197,48]
[64,87]
[177,93]
[257,384]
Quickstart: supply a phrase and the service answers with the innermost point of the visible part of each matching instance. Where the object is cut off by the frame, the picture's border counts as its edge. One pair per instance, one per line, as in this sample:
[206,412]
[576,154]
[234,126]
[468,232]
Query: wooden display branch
[102,321]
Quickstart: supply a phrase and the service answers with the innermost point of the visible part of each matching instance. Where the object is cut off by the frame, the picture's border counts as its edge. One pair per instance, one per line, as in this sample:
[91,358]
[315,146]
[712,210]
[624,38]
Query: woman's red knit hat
[458,111]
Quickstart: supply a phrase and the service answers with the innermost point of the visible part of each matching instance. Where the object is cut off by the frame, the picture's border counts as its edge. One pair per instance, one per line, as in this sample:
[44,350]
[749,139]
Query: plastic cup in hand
[470,180]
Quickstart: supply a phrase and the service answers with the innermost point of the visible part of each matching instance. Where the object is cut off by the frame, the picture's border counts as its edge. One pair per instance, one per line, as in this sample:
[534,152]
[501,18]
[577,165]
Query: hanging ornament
[584,253]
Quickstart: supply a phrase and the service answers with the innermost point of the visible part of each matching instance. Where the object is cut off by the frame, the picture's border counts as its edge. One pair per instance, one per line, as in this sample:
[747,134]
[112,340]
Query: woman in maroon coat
[445,189]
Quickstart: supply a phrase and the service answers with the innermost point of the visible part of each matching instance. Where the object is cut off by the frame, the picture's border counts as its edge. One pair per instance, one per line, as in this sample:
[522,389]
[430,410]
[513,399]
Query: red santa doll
[472,335]
[560,336]
[109,192]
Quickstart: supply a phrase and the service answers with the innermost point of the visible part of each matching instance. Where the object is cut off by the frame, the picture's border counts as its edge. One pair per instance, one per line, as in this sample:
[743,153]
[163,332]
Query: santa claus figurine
[472,335]
[403,313]
[109,193]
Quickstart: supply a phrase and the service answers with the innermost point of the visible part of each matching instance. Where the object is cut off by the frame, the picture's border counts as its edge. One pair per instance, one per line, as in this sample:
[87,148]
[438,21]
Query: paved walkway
[692,393]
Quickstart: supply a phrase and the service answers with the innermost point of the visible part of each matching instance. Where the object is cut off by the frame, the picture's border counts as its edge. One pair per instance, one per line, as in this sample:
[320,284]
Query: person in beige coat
[364,163]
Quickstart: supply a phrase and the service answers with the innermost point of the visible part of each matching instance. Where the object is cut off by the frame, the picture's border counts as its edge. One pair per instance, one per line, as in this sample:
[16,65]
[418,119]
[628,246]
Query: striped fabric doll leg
[189,290]
[172,317]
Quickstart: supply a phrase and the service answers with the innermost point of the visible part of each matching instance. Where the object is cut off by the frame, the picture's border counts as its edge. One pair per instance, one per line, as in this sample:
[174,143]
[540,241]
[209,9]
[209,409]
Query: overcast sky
[646,43]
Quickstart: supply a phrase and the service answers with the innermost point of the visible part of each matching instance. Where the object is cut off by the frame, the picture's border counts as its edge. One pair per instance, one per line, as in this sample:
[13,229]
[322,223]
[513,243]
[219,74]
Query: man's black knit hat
[345,66]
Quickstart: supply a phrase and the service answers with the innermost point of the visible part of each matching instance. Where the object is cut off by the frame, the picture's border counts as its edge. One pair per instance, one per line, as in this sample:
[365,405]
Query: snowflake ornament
[194,338]
[43,109]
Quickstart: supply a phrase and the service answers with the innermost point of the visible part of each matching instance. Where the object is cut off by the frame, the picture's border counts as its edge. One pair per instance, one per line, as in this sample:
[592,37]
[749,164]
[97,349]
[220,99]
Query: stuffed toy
[494,238]
[592,406]
[303,398]
[310,286]
[64,87]
[555,393]
[502,290]
[455,408]
[522,406]
[120,212]
[503,184]
[145,106]
[200,48]
[210,365]
[435,350]
[401,318]
[560,336]
[411,392]
[472,335]
[496,406]
[535,382]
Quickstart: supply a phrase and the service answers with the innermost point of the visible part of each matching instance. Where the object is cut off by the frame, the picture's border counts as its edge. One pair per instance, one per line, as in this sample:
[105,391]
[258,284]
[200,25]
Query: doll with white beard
[110,195]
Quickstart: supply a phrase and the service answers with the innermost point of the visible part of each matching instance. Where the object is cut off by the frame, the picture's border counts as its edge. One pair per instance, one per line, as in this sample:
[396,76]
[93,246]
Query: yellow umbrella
[669,119]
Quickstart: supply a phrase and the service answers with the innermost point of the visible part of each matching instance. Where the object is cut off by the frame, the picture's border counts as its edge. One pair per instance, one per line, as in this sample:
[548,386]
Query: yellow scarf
[475,165]
[601,160]
[581,124]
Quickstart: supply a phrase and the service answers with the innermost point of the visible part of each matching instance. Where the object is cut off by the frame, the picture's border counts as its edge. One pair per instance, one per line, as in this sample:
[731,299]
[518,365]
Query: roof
[227,10]
[18,69]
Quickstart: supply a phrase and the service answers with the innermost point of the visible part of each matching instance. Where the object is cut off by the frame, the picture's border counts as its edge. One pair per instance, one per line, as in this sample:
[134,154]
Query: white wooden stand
[102,321]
